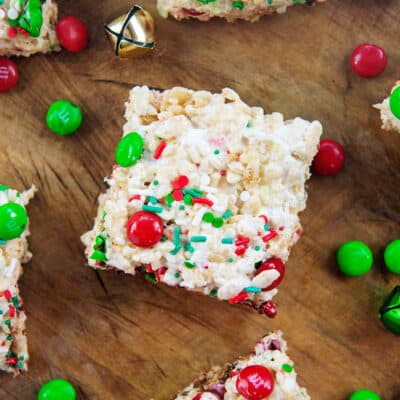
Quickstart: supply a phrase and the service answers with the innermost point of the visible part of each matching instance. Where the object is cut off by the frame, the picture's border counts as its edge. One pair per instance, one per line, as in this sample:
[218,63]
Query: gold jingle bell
[132,35]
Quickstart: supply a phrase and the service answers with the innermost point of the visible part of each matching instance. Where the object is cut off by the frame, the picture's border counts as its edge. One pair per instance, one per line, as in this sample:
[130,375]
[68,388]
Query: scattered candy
[8,74]
[354,258]
[392,256]
[389,313]
[132,34]
[129,150]
[64,117]
[394,102]
[255,382]
[273,263]
[57,389]
[72,34]
[145,229]
[368,60]
[364,394]
[13,221]
[329,159]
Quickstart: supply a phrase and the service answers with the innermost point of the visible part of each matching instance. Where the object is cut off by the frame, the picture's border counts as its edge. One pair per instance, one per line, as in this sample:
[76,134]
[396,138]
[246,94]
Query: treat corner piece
[28,29]
[204,10]
[268,364]
[14,252]
[205,194]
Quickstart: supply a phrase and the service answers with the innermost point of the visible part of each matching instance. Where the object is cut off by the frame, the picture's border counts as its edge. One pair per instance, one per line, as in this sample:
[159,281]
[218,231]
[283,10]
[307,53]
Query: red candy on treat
[368,60]
[329,159]
[72,34]
[8,74]
[273,263]
[144,229]
[269,309]
[255,382]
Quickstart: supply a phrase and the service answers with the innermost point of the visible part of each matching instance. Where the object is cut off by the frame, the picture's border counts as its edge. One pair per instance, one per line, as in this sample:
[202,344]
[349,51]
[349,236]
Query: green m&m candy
[57,389]
[129,150]
[64,118]
[394,102]
[364,394]
[389,313]
[354,258]
[13,221]
[392,256]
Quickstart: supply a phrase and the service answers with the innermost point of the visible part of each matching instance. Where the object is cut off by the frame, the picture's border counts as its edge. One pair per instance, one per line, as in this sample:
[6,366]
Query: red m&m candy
[368,60]
[255,382]
[329,159]
[72,34]
[273,263]
[144,229]
[8,74]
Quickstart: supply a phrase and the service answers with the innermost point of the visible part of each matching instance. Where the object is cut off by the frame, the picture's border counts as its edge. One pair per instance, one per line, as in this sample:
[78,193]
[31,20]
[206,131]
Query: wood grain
[118,337]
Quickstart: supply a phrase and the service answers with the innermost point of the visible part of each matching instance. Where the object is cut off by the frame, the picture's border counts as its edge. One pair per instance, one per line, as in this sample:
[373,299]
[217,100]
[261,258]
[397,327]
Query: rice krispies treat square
[204,10]
[225,182]
[13,343]
[270,353]
[27,27]
[389,121]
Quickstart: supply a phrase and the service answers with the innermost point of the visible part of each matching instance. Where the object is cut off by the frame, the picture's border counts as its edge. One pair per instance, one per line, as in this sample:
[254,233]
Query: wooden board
[119,337]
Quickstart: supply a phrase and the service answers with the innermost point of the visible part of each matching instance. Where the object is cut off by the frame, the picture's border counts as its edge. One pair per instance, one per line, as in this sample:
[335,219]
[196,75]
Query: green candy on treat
[64,118]
[13,221]
[392,256]
[389,313]
[354,258]
[129,150]
[394,102]
[364,394]
[57,389]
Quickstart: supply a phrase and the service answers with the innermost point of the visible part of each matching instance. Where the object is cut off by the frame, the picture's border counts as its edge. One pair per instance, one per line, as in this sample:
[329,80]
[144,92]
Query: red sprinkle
[207,202]
[149,269]
[238,299]
[270,236]
[191,11]
[223,172]
[11,32]
[180,182]
[233,373]
[159,273]
[135,197]
[159,150]
[242,240]
[265,218]
[7,294]
[12,311]
[240,250]
[281,228]
[269,309]
[11,360]
[177,195]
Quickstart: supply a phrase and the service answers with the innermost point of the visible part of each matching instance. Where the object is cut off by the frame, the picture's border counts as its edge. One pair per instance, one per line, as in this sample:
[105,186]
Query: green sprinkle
[21,358]
[177,234]
[248,125]
[177,248]
[7,322]
[287,367]
[227,241]
[164,239]
[151,277]
[193,192]
[230,259]
[152,209]
[155,182]
[218,222]
[98,256]
[152,200]
[257,248]
[187,199]
[252,289]
[213,292]
[266,227]
[177,275]
[208,217]
[181,207]
[104,214]
[238,4]
[99,241]
[227,214]
[18,194]
[198,239]
[189,265]
[189,248]
[216,152]
[20,365]
[1,312]
[15,301]
[3,188]
[169,200]
[9,337]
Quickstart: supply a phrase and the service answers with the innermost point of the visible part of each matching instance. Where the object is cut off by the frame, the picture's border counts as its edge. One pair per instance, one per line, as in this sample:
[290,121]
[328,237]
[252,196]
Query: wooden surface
[119,337]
